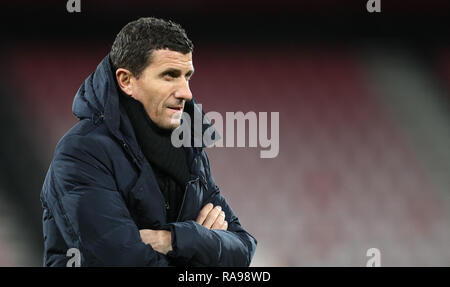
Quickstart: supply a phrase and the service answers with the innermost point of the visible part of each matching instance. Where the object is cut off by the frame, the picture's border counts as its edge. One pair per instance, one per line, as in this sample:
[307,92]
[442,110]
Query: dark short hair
[134,44]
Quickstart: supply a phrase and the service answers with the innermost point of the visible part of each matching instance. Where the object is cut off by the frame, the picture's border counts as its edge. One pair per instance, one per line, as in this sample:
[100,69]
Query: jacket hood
[98,98]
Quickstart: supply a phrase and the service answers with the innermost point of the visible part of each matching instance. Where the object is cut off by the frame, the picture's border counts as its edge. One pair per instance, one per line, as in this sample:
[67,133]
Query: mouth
[176,108]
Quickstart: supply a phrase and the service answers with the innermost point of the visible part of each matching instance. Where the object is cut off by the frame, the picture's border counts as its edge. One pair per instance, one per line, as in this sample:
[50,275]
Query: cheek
[158,102]
[154,95]
[161,94]
[147,94]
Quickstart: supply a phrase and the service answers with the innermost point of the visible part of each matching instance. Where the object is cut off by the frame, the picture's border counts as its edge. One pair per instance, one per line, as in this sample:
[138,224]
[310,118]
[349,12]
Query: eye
[188,76]
[168,77]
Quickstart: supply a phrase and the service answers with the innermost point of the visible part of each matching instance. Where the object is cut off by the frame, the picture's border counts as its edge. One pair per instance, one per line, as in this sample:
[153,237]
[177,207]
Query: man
[117,189]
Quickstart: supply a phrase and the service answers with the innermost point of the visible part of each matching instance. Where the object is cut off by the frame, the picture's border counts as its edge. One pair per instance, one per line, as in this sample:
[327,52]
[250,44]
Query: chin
[174,124]
[170,124]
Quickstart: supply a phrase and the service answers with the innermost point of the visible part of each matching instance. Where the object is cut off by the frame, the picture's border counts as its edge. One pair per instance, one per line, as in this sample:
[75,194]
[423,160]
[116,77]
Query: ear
[125,80]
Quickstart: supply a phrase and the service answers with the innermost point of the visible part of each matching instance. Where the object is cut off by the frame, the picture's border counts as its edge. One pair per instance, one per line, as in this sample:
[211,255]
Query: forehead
[171,59]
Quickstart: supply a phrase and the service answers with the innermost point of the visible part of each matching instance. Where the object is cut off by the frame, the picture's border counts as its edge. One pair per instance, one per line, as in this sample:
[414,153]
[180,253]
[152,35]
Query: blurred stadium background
[364,101]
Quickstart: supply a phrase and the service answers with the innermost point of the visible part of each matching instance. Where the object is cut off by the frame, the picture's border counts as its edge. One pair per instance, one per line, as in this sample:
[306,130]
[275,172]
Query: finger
[212,216]
[224,226]
[204,213]
[147,235]
[219,221]
[142,234]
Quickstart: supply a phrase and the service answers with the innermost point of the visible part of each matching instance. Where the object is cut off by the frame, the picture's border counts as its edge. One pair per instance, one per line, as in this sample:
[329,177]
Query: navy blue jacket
[100,191]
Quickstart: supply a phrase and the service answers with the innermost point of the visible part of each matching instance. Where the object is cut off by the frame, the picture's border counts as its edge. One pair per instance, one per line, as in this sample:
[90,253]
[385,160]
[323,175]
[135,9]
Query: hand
[212,217]
[160,240]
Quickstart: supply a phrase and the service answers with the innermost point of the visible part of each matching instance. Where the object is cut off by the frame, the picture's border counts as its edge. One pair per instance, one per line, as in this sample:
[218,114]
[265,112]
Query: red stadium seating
[346,178]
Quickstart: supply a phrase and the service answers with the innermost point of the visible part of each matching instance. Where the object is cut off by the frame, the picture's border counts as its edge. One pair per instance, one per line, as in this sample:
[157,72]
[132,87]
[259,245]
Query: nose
[184,92]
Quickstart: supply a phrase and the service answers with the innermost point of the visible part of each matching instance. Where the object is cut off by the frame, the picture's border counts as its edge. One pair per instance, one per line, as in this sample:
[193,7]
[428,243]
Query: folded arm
[91,214]
[196,245]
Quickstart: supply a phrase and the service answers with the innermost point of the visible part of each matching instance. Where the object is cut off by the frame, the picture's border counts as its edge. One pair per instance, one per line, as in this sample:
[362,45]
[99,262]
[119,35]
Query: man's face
[163,87]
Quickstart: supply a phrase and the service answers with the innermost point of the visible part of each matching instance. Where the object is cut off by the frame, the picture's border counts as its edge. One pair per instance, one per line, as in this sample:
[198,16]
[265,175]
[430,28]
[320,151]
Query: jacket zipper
[135,159]
[184,197]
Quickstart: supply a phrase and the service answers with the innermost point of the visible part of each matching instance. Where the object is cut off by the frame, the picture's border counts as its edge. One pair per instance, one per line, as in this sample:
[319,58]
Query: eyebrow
[175,73]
